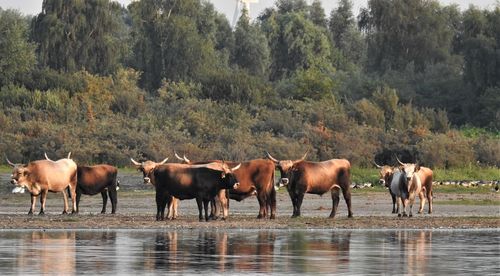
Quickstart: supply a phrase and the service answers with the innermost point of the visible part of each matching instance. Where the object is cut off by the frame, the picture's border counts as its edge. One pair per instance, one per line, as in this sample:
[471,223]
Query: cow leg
[113,197]
[224,203]
[346,192]
[335,200]
[393,196]
[398,202]
[272,203]
[199,203]
[104,201]
[405,203]
[33,203]
[72,191]
[429,198]
[43,198]
[421,196]
[172,208]
[300,197]
[205,205]
[262,205]
[65,198]
[159,203]
[78,196]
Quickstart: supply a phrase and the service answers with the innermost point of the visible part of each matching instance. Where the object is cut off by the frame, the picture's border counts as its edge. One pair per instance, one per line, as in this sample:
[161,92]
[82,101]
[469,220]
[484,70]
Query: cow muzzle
[236,185]
[147,180]
[381,182]
[284,182]
[13,182]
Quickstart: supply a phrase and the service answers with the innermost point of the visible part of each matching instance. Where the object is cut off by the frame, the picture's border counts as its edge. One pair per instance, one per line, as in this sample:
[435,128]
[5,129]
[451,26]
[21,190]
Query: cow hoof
[260,216]
[405,215]
[411,215]
[41,214]
[273,216]
[104,212]
[399,215]
[64,213]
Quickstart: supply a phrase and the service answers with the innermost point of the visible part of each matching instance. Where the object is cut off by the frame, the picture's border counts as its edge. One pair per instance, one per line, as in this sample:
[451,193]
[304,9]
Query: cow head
[19,175]
[286,167]
[409,168]
[228,179]
[385,174]
[147,167]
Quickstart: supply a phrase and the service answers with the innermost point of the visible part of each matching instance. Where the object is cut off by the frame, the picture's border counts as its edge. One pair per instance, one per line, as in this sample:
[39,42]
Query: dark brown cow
[256,177]
[98,179]
[43,176]
[201,182]
[162,199]
[386,174]
[303,177]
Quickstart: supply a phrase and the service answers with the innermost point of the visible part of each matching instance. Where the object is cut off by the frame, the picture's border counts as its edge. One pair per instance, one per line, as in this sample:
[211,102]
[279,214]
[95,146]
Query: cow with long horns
[256,177]
[43,176]
[396,181]
[200,182]
[318,178]
[424,176]
[162,199]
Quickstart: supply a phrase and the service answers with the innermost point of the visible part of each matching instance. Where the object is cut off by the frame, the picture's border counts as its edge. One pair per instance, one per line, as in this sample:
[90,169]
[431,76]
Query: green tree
[173,40]
[251,51]
[17,54]
[345,35]
[296,43]
[75,35]
[401,32]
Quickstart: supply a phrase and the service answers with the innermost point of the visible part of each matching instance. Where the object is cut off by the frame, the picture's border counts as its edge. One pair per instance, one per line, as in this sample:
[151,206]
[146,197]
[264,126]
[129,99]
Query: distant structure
[238,8]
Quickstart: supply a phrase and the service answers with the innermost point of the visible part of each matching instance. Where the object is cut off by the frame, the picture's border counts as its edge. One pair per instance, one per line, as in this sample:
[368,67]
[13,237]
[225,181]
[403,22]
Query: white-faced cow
[425,178]
[256,177]
[96,179]
[396,181]
[303,177]
[43,176]
[162,197]
[200,182]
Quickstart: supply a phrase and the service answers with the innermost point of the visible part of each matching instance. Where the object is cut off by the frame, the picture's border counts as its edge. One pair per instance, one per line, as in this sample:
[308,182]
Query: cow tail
[271,200]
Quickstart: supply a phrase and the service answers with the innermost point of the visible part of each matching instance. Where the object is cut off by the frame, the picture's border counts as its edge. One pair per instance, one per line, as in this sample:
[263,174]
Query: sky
[32,7]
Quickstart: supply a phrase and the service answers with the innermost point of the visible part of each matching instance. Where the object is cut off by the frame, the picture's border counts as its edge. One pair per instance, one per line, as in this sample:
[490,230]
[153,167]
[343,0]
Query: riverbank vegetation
[413,79]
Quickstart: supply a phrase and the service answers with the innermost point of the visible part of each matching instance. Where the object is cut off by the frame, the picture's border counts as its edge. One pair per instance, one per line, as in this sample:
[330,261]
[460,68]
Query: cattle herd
[213,182]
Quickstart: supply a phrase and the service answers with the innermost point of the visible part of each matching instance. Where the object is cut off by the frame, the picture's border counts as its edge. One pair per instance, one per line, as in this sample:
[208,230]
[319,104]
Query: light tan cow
[424,175]
[43,176]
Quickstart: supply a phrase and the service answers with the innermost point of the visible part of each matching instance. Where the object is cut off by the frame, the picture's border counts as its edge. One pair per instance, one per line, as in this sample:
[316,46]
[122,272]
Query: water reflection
[249,251]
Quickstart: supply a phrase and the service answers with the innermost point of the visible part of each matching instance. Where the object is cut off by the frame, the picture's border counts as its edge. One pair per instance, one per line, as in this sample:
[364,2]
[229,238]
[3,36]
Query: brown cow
[425,176]
[256,177]
[42,176]
[162,200]
[303,177]
[98,179]
[201,182]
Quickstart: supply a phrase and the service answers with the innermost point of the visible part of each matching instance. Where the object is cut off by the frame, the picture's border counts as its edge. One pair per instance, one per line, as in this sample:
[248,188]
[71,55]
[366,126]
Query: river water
[124,252]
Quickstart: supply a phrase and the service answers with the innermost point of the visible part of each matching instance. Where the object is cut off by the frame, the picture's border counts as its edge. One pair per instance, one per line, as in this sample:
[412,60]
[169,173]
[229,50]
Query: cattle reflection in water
[250,251]
[48,253]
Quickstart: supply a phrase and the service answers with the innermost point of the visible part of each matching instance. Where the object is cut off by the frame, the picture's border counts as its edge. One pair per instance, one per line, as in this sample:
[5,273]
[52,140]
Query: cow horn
[399,161]
[135,162]
[272,158]
[378,166]
[46,157]
[163,162]
[235,168]
[10,163]
[177,156]
[186,160]
[69,155]
[304,157]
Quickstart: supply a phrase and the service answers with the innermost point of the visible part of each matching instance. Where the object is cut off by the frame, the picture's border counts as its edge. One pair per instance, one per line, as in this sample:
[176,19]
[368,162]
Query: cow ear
[417,167]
